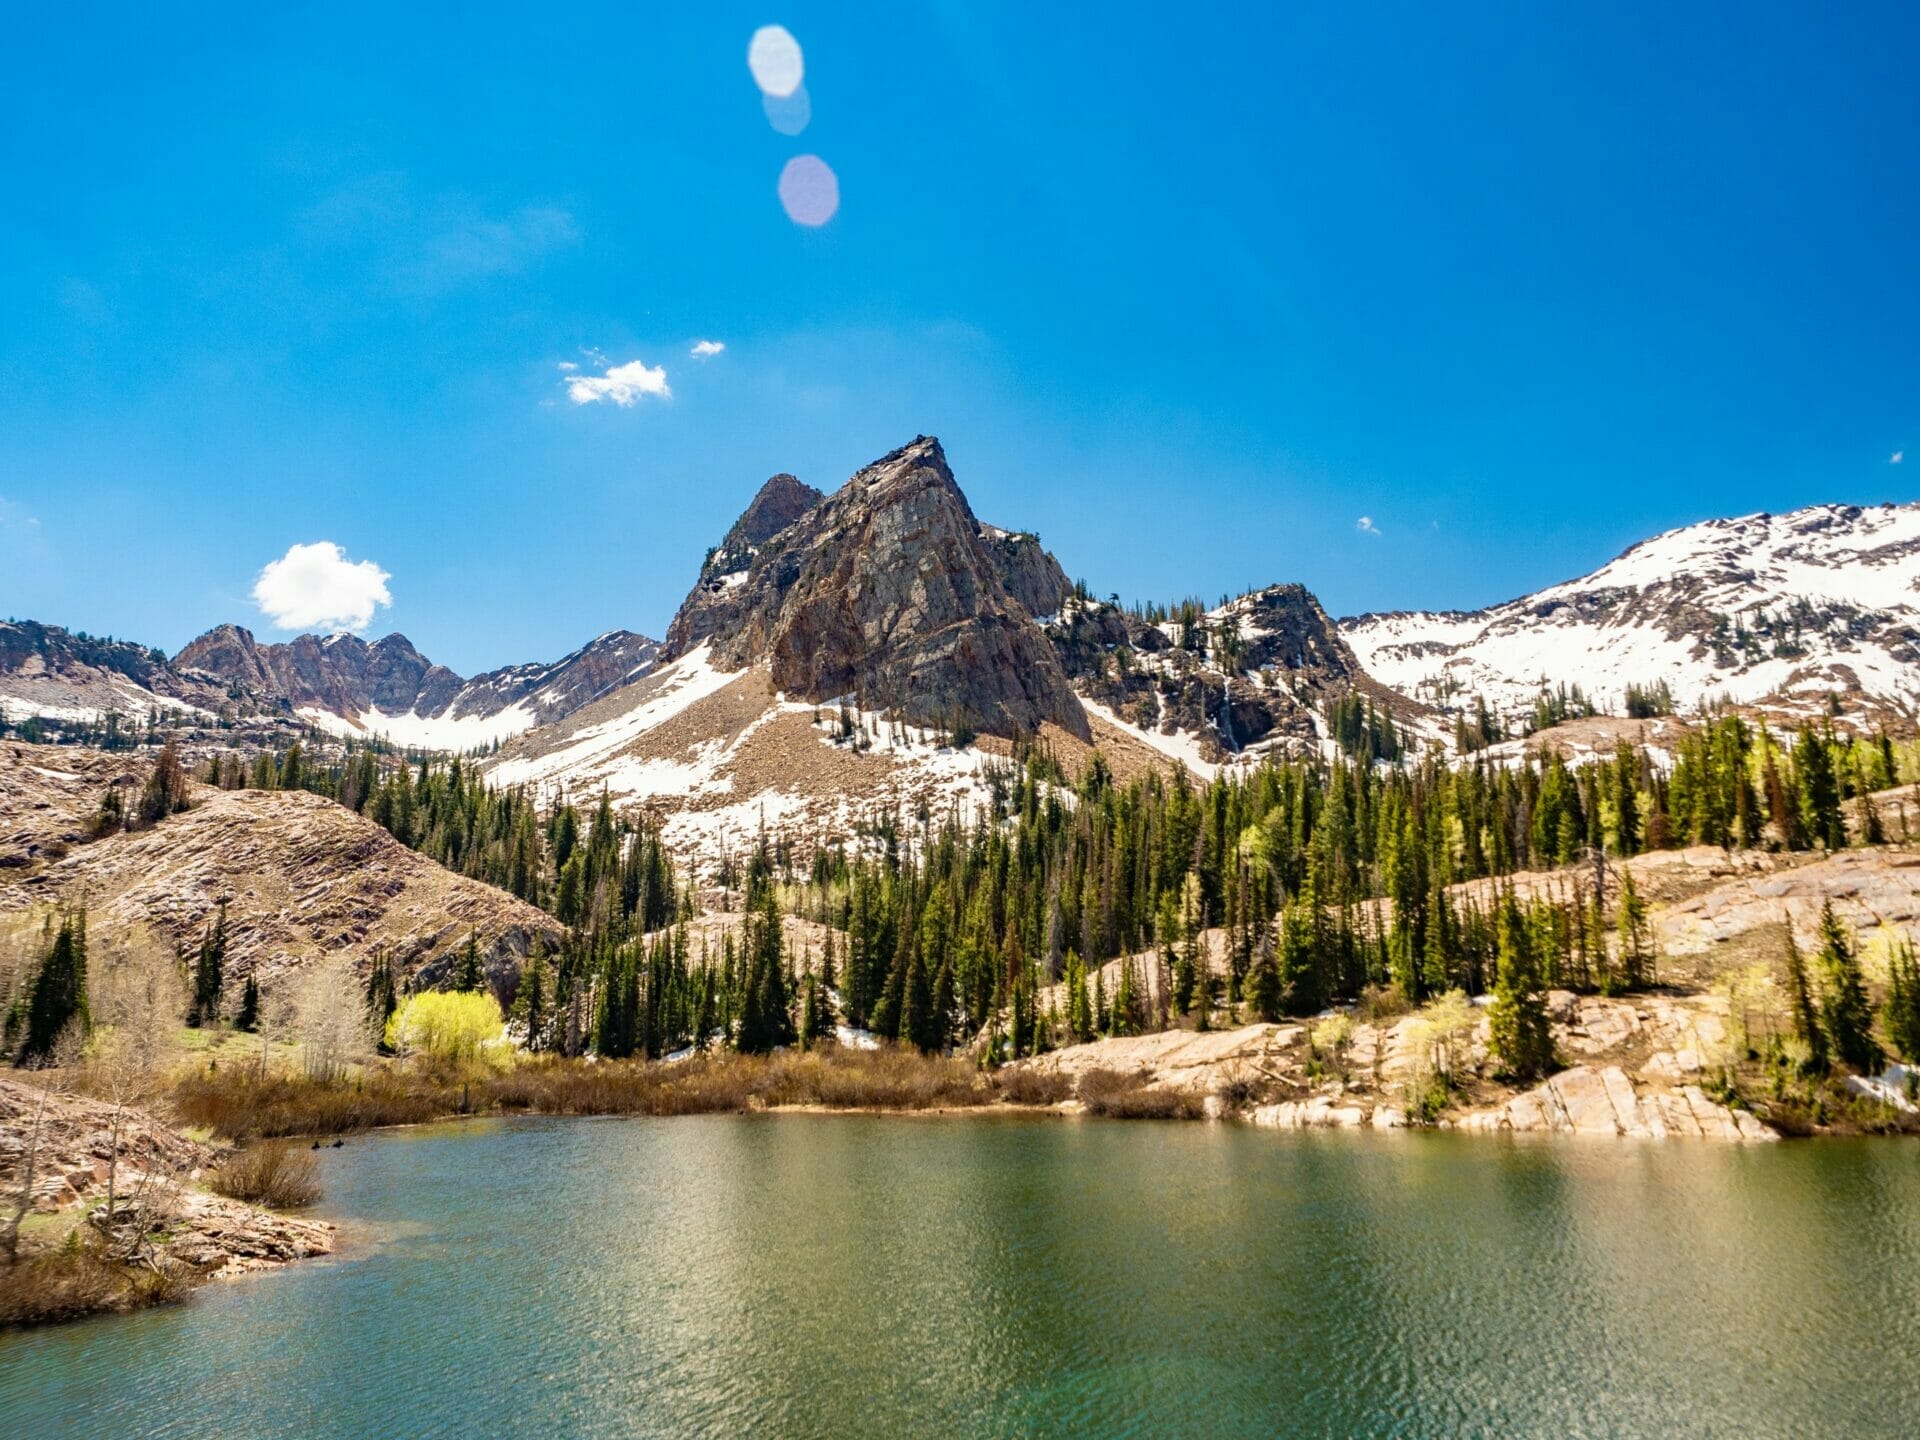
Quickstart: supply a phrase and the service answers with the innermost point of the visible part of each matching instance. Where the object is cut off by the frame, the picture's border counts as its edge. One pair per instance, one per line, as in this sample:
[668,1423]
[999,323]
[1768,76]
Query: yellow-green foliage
[444,1025]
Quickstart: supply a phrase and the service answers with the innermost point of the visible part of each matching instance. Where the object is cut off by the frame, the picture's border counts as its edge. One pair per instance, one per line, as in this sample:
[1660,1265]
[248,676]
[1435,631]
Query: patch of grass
[273,1174]
[1126,1095]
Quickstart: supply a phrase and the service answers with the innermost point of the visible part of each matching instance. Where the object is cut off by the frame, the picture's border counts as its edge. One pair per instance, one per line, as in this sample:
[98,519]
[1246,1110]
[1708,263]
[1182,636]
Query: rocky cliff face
[1031,575]
[1246,675]
[891,592]
[45,669]
[389,687]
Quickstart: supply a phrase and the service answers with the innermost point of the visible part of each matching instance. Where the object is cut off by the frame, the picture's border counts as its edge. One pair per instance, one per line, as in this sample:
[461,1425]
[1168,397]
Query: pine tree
[58,997]
[468,975]
[916,1005]
[1519,1034]
[1636,949]
[531,1000]
[945,1000]
[382,998]
[209,972]
[1079,1002]
[816,1013]
[1806,1017]
[166,791]
[616,1031]
[1263,989]
[1902,1010]
[1819,790]
[247,1017]
[766,1019]
[1845,1014]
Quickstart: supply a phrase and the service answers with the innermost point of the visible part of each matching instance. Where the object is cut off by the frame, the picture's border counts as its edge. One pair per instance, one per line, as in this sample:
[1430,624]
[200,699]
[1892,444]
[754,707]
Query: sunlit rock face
[891,592]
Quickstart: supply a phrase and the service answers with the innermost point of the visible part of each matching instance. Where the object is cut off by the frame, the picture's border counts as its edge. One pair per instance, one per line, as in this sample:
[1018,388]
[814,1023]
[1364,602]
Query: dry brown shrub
[274,1174]
[1021,1086]
[890,1078]
[237,1104]
[1126,1095]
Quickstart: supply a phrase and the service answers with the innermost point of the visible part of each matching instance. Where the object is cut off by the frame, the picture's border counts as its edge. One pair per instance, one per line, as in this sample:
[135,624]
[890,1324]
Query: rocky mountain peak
[778,503]
[888,591]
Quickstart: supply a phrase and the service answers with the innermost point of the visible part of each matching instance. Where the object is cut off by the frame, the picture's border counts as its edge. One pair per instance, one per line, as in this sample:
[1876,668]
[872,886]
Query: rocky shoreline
[186,1234]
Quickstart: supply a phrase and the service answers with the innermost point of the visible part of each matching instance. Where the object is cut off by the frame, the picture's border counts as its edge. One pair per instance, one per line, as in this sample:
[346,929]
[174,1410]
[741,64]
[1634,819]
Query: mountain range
[834,648]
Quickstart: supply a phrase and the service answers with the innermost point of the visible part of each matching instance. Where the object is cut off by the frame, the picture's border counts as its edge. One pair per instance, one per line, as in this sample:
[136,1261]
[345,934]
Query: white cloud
[567,367]
[704,349]
[624,384]
[315,587]
[1896,457]
[1366,526]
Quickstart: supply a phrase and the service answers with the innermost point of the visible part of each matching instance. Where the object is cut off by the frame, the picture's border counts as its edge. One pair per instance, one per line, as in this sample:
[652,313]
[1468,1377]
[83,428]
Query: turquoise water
[820,1275]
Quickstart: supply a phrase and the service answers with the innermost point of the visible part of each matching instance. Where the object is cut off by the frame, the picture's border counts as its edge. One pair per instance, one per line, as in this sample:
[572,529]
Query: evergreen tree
[531,1001]
[916,1005]
[1845,1014]
[58,995]
[1636,947]
[940,1029]
[247,1017]
[1263,989]
[1902,1010]
[382,998]
[1806,1017]
[616,1033]
[1518,1031]
[209,972]
[766,1019]
[1820,810]
[468,976]
[166,789]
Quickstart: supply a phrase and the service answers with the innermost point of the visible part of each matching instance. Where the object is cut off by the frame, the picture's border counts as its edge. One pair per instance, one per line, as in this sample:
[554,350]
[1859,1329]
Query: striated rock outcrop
[1604,1101]
[304,879]
[890,592]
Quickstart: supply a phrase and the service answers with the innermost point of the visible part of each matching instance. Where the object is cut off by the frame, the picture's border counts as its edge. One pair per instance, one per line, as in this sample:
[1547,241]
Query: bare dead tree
[49,1080]
[140,1000]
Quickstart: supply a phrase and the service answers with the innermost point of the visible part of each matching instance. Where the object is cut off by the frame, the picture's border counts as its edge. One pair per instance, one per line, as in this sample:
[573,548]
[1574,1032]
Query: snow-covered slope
[722,757]
[1764,608]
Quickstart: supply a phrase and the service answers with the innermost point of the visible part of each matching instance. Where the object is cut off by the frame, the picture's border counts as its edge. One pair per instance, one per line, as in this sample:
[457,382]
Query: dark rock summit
[891,592]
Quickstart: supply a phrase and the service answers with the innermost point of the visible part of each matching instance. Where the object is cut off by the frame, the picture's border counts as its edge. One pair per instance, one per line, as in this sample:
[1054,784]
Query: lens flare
[809,190]
[788,114]
[773,55]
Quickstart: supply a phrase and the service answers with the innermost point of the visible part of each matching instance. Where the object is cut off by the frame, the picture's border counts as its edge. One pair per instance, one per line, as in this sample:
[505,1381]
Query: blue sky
[1187,289]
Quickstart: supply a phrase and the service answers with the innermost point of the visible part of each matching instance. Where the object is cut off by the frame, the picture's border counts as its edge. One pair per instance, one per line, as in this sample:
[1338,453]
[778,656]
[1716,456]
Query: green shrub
[443,1025]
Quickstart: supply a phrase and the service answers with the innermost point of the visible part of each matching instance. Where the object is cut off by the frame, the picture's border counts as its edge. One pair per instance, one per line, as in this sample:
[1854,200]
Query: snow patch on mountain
[447,732]
[1761,608]
[593,755]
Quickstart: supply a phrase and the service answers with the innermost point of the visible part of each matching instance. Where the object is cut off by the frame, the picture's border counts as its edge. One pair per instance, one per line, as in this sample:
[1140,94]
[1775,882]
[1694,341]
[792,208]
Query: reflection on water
[803,1275]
